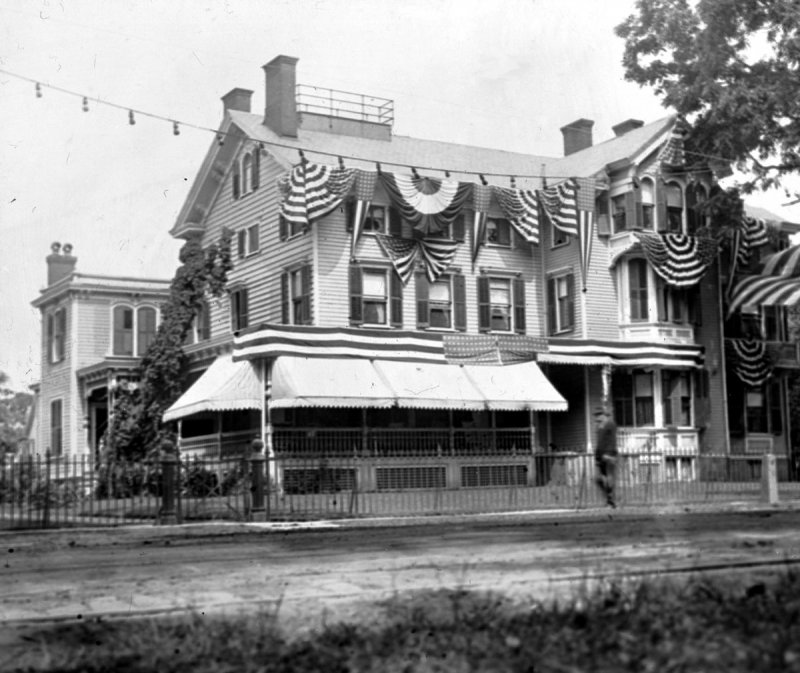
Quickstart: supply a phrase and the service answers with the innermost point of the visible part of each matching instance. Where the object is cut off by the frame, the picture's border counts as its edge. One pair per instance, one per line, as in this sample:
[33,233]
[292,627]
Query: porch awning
[593,352]
[351,382]
[225,386]
[765,291]
[327,382]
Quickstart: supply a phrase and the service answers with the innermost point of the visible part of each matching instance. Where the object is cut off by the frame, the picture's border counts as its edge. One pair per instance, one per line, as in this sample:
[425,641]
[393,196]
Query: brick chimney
[237,99]
[60,262]
[280,112]
[628,125]
[577,136]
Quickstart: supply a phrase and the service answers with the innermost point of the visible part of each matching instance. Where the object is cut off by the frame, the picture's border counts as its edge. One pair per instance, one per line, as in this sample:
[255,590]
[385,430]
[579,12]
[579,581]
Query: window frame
[675,400]
[643,292]
[148,336]
[630,409]
[671,212]
[248,241]
[57,335]
[201,324]
[647,187]
[239,307]
[561,314]
[517,318]
[503,224]
[56,429]
[393,296]
[296,283]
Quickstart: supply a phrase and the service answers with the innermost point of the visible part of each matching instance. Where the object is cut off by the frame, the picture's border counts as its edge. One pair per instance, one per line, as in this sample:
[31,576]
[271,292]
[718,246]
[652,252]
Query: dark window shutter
[662,296]
[459,227]
[283,228]
[395,222]
[285,298]
[256,168]
[51,335]
[519,305]
[396,289]
[692,216]
[244,313]
[484,305]
[305,306]
[552,307]
[241,243]
[570,301]
[349,214]
[631,221]
[693,298]
[460,302]
[236,181]
[661,205]
[356,296]
[603,218]
[776,417]
[423,314]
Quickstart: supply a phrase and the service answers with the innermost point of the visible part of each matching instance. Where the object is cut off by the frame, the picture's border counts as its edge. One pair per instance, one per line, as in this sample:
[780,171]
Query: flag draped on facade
[436,255]
[750,361]
[778,284]
[481,201]
[679,259]
[429,204]
[313,190]
[585,236]
[492,349]
[365,182]
[521,207]
[559,203]
[672,153]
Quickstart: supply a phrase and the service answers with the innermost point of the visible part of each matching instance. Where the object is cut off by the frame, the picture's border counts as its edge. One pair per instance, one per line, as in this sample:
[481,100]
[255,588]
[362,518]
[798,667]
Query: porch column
[532,428]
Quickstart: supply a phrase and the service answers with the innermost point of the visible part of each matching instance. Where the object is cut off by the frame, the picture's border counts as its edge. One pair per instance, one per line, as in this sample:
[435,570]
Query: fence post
[257,462]
[769,479]
[169,483]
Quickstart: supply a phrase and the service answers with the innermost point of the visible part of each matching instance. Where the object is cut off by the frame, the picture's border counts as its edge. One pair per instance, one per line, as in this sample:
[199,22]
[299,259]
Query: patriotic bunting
[429,204]
[521,207]
[672,154]
[778,284]
[785,263]
[364,190]
[679,259]
[750,361]
[585,236]
[437,255]
[492,349]
[313,190]
[559,203]
[481,201]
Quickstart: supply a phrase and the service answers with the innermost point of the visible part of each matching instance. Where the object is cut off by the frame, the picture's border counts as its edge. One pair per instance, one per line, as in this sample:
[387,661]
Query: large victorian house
[448,312]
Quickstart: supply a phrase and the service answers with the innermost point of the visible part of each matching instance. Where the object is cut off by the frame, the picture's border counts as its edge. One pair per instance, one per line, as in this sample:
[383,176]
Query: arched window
[247,174]
[123,330]
[647,192]
[145,329]
[674,199]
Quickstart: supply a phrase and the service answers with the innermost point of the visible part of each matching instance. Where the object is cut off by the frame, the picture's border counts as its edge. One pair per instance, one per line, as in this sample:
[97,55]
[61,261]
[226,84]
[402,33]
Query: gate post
[257,462]
[769,479]
[169,479]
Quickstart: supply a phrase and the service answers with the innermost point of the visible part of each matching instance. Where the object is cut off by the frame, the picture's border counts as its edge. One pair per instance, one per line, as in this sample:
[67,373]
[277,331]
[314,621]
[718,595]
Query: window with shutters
[296,296]
[618,212]
[638,290]
[134,329]
[56,427]
[673,303]
[376,297]
[239,309]
[248,241]
[633,395]
[498,232]
[676,397]
[453,230]
[674,202]
[696,219]
[561,303]
[647,195]
[245,176]
[501,304]
[441,304]
[287,229]
[376,220]
[57,335]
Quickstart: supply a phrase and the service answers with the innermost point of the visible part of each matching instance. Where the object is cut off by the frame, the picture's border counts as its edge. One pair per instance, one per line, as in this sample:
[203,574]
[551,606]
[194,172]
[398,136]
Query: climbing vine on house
[135,428]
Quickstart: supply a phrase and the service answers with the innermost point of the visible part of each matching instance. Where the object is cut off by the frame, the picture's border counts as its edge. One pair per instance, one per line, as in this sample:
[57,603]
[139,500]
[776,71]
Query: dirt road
[333,571]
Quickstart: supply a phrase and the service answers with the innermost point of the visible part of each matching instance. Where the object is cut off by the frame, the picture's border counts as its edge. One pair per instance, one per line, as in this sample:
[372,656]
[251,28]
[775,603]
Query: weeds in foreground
[701,625]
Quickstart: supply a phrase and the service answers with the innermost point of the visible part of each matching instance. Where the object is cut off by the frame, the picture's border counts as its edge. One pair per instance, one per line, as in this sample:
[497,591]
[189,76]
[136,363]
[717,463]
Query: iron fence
[60,492]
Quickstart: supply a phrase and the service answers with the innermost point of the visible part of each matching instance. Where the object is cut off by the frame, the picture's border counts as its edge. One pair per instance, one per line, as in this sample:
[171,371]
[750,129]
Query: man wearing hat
[605,453]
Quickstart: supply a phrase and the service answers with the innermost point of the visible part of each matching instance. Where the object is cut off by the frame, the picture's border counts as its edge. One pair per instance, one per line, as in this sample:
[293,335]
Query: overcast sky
[505,74]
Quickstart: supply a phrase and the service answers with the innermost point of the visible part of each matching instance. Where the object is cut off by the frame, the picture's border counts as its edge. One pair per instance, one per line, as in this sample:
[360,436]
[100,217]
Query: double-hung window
[638,290]
[676,393]
[57,334]
[201,326]
[296,296]
[441,304]
[633,395]
[248,241]
[561,303]
[646,194]
[501,304]
[498,232]
[376,297]
[134,329]
[245,177]
[239,309]
[674,199]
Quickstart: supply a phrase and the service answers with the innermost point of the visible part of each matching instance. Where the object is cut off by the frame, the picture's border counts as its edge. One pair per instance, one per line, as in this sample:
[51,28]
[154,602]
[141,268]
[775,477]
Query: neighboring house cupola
[60,262]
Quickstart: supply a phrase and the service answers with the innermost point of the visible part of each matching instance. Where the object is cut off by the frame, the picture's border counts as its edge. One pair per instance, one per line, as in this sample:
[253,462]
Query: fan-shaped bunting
[750,361]
[313,190]
[679,259]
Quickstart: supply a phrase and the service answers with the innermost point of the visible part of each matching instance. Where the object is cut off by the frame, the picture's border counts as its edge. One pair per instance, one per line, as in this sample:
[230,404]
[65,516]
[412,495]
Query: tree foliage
[14,409]
[730,68]
[135,427]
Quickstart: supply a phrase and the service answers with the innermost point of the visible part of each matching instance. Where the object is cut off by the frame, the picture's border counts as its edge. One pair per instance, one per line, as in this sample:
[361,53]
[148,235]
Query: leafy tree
[135,428]
[730,68]
[14,410]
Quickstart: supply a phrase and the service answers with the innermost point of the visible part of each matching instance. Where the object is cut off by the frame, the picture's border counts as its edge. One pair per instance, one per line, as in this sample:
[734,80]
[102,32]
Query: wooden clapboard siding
[560,260]
[601,296]
[332,268]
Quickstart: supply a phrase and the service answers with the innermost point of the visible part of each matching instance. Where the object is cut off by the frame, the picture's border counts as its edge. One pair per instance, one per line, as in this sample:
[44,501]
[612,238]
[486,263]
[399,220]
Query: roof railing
[344,104]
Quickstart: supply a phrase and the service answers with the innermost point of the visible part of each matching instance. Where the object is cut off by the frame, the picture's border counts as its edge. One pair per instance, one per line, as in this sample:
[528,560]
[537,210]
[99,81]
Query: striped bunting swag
[364,191]
[481,201]
[437,255]
[521,207]
[403,253]
[429,204]
[750,361]
[778,284]
[672,154]
[313,190]
[679,259]
[585,238]
[560,205]
[785,263]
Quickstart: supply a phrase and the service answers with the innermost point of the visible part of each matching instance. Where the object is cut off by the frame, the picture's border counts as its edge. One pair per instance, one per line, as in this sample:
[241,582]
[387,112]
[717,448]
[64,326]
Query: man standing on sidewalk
[605,453]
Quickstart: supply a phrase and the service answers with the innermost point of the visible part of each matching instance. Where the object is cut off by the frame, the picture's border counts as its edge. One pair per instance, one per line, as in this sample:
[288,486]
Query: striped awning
[592,352]
[778,283]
